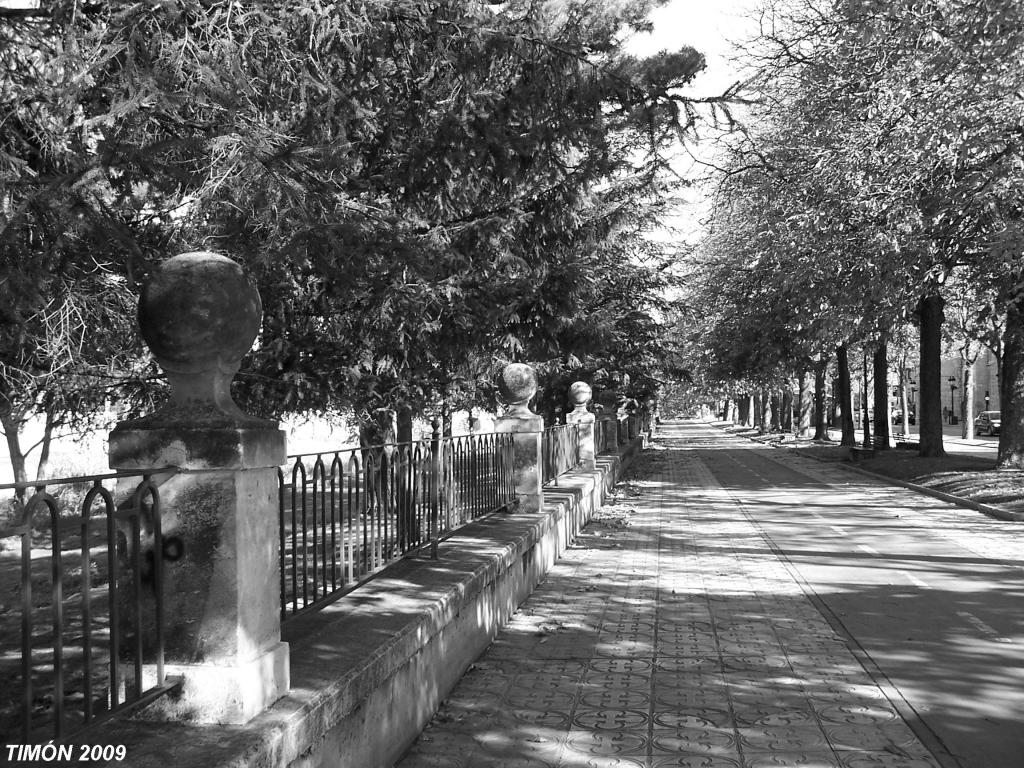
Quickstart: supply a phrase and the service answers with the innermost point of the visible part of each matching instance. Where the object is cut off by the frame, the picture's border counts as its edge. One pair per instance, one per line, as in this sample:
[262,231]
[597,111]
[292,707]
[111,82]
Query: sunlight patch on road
[915,580]
[987,631]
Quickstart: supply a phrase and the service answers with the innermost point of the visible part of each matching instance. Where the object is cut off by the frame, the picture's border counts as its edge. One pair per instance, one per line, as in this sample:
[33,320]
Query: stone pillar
[199,315]
[651,409]
[518,383]
[579,395]
[609,414]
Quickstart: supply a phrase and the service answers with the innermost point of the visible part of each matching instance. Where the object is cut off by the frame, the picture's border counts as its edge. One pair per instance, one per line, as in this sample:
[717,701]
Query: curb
[986,509]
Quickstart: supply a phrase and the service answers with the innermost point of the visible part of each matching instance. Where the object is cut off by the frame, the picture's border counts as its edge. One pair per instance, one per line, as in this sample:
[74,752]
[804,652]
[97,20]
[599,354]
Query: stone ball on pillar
[580,394]
[199,309]
[517,383]
[199,314]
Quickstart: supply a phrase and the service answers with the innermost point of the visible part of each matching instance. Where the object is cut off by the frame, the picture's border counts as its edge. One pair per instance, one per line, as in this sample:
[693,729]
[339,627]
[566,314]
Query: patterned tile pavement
[654,644]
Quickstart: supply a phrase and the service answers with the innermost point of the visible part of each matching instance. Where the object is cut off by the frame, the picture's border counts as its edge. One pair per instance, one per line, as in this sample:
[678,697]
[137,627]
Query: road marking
[982,627]
[838,530]
[915,580]
[869,550]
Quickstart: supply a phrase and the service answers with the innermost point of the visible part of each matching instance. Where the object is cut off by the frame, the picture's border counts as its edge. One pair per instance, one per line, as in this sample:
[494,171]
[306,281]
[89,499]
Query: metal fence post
[435,485]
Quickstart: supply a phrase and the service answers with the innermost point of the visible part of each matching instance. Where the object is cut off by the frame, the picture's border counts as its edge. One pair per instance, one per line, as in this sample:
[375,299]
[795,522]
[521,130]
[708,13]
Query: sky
[710,26]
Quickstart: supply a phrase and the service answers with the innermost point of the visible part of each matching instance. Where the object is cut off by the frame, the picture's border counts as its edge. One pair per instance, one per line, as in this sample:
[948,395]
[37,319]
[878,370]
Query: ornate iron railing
[476,477]
[346,514]
[90,614]
[560,451]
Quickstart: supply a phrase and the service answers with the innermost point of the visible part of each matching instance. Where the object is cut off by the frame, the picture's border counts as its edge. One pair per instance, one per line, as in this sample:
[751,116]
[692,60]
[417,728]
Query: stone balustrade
[200,314]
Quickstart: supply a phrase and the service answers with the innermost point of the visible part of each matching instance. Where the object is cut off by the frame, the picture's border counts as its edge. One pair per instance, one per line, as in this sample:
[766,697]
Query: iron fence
[476,473]
[560,451]
[90,614]
[346,514]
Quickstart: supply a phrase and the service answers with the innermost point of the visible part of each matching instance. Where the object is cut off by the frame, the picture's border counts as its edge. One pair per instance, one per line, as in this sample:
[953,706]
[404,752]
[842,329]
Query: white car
[987,423]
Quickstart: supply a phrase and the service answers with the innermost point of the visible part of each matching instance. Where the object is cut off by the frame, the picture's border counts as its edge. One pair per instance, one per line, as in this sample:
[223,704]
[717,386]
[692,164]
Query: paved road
[929,596]
[741,607]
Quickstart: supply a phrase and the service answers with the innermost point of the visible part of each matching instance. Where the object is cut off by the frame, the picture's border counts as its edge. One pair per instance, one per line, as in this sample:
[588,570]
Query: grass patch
[967,477]
[1003,488]
[907,465]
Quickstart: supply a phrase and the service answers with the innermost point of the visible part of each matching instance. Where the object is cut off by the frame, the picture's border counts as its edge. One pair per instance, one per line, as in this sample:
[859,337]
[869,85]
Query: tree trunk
[758,413]
[883,416]
[930,424]
[44,446]
[804,405]
[1011,390]
[12,431]
[865,416]
[967,401]
[845,396]
[766,411]
[904,403]
[787,409]
[744,410]
[446,420]
[408,532]
[834,420]
[403,424]
[776,404]
[820,424]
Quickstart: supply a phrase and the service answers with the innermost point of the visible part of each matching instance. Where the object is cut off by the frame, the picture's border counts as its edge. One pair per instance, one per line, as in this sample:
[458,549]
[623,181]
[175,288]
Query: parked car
[897,417]
[987,423]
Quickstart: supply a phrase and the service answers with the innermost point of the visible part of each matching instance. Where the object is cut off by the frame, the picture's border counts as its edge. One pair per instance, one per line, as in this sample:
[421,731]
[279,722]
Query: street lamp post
[986,399]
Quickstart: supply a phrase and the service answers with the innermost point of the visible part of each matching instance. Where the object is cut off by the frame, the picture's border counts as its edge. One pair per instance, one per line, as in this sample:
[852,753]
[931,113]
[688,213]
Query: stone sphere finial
[199,314]
[517,384]
[580,394]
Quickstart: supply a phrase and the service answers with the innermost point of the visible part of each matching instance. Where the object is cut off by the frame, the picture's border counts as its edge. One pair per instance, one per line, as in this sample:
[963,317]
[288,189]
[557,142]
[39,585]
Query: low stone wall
[369,670]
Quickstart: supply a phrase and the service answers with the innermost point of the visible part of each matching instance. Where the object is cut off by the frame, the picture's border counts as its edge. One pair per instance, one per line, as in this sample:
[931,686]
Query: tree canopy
[416,188]
[886,160]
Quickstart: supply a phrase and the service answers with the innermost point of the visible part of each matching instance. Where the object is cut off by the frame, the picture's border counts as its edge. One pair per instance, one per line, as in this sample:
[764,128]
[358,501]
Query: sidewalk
[670,635]
[952,439]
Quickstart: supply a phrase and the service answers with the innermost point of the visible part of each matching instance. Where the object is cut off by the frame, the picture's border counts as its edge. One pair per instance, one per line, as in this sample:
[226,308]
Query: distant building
[986,378]
[986,383]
